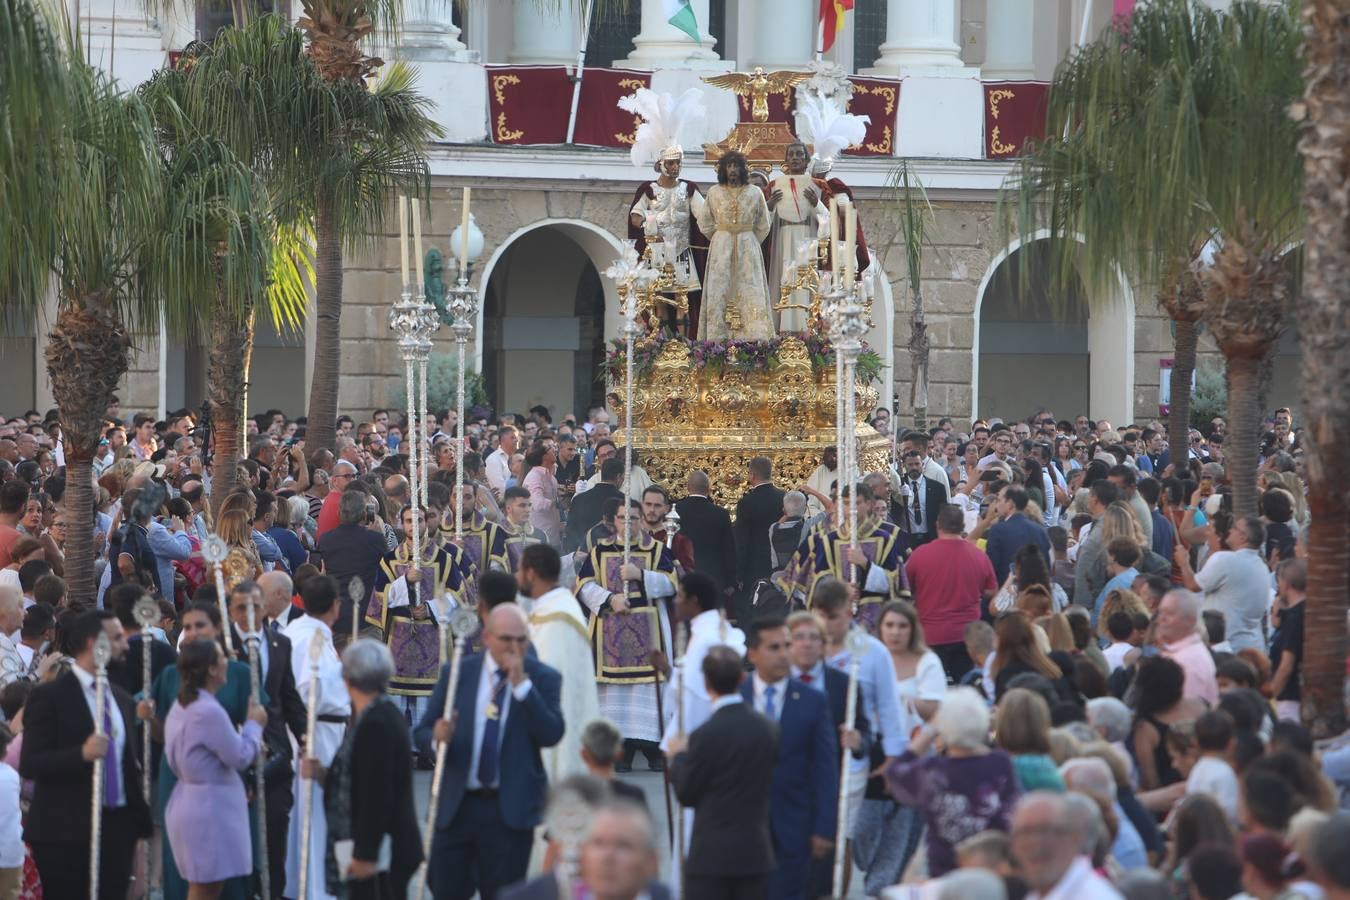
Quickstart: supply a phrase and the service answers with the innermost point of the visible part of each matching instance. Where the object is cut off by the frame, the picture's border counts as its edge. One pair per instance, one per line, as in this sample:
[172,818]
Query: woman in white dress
[735,289]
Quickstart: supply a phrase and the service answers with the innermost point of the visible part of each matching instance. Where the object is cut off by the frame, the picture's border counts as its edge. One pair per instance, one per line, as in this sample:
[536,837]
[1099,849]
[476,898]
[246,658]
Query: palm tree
[1176,149]
[96,234]
[916,213]
[1325,347]
[237,102]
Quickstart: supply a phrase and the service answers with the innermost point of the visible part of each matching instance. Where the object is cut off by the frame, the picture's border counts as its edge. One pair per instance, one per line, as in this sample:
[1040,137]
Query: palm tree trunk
[1244,427]
[231,347]
[86,358]
[323,395]
[1179,413]
[1325,350]
[919,344]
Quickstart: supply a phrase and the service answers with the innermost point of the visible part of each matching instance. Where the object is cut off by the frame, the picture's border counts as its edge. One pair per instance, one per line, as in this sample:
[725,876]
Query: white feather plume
[827,127]
[663,118]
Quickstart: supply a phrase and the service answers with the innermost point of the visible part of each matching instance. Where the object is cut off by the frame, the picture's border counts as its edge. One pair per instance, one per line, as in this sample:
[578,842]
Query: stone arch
[1110,341]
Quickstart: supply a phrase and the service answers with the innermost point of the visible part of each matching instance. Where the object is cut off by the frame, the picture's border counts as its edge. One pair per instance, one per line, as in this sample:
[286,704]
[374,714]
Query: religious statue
[758,87]
[832,131]
[664,214]
[735,292]
[798,216]
[433,280]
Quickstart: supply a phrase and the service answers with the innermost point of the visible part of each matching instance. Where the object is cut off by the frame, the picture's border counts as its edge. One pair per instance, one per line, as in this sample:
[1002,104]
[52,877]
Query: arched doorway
[1071,351]
[546,317]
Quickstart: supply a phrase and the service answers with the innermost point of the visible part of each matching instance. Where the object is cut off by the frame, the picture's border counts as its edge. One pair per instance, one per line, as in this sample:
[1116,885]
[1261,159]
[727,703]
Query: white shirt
[332,696]
[762,698]
[487,679]
[11,829]
[498,466]
[1115,654]
[706,630]
[1079,883]
[119,729]
[12,664]
[1212,775]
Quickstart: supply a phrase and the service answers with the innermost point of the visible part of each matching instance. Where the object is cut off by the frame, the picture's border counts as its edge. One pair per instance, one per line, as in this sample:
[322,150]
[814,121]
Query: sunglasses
[1079,448]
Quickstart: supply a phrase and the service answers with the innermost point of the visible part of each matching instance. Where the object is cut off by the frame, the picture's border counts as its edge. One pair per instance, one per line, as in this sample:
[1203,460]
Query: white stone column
[1010,41]
[121,40]
[429,33]
[662,45]
[785,33]
[920,34]
[546,36]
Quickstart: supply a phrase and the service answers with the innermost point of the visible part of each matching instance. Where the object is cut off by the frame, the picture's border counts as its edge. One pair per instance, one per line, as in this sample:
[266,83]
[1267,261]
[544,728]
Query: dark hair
[195,659]
[1088,680]
[318,593]
[85,629]
[1215,628]
[1105,491]
[1267,797]
[49,589]
[1292,737]
[1327,852]
[1031,568]
[950,519]
[1017,495]
[1149,489]
[1270,857]
[14,497]
[1059,538]
[1214,871]
[542,560]
[754,633]
[1214,731]
[1236,669]
[122,599]
[516,492]
[36,619]
[1123,551]
[31,571]
[1120,626]
[1159,682]
[761,466]
[702,589]
[724,164]
[496,588]
[611,469]
[535,455]
[722,670]
[13,696]
[829,595]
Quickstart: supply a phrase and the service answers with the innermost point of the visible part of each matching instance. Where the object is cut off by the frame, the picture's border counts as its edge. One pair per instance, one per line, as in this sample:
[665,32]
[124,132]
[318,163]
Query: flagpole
[581,69]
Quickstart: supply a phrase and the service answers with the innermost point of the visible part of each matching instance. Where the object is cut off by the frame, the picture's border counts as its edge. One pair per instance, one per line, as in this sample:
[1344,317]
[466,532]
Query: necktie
[805,677]
[768,702]
[487,757]
[918,508]
[112,772]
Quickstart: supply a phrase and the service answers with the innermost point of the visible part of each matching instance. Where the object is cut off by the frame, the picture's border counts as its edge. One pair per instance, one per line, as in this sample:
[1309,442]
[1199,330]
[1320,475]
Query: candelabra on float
[463,305]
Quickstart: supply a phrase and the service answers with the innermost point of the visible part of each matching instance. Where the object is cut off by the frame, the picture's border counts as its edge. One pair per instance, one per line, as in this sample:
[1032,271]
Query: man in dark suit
[1012,530]
[724,771]
[59,747]
[618,859]
[759,508]
[126,672]
[708,527]
[807,654]
[351,550]
[507,708]
[285,710]
[587,507]
[916,509]
[804,808]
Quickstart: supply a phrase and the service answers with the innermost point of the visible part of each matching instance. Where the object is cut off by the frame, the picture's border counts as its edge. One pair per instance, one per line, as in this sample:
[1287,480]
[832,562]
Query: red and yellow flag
[832,14]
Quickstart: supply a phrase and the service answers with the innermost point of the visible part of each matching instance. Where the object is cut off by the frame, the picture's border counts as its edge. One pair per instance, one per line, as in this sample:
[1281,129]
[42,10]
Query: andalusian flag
[832,21]
[680,14]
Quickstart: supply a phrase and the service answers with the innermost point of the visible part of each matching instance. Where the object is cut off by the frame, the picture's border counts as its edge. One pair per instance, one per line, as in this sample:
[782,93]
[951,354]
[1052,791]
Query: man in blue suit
[1012,529]
[804,804]
[507,708]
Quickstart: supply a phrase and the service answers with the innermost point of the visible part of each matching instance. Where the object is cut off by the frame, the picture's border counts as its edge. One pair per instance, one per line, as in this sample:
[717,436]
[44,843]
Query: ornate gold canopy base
[690,414]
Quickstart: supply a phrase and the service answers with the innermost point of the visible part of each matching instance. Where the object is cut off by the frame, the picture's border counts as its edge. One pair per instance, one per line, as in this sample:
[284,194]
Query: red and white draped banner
[1014,113]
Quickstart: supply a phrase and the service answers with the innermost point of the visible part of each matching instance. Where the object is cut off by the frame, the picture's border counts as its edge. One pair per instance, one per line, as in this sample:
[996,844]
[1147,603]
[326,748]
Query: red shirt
[946,579]
[328,514]
[8,536]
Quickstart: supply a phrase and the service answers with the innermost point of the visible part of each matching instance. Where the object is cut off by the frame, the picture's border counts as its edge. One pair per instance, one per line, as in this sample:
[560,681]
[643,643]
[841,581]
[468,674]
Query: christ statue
[735,290]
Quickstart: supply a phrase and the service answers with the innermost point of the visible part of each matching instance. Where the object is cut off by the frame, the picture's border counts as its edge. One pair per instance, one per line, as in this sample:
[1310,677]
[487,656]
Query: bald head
[505,633]
[1044,839]
[697,482]
[276,590]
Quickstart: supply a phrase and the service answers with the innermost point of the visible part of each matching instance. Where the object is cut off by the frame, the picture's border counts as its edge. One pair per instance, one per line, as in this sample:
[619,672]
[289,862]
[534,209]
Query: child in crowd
[1207,767]
[1121,628]
[979,639]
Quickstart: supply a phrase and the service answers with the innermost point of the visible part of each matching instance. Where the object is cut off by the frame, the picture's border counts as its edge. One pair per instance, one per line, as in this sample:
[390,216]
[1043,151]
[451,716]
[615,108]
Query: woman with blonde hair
[1022,729]
[235,528]
[1058,630]
[1035,601]
[1118,600]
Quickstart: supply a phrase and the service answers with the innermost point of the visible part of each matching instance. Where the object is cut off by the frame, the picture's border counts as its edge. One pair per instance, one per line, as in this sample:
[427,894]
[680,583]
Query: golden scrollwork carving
[717,418]
[996,145]
[998,96]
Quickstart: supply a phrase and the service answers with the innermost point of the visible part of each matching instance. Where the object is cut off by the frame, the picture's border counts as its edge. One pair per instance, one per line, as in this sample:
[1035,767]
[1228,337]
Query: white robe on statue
[794,221]
[736,301]
[560,637]
[333,700]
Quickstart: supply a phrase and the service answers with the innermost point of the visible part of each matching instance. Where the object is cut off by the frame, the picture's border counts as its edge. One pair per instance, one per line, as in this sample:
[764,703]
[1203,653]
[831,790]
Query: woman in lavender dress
[964,788]
[207,815]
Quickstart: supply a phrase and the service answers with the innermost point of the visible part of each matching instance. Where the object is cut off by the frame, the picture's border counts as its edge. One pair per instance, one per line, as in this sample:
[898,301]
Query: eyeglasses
[1079,448]
[1195,440]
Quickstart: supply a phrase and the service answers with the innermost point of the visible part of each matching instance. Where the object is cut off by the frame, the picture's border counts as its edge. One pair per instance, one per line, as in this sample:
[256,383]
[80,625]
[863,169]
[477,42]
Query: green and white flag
[680,14]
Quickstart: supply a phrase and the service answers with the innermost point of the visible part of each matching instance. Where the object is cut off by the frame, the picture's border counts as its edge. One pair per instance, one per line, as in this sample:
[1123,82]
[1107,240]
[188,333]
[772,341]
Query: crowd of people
[1077,672]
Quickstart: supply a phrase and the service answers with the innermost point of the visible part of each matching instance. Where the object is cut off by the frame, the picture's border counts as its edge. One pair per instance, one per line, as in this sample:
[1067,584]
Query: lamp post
[849,327]
[632,275]
[463,306]
[408,322]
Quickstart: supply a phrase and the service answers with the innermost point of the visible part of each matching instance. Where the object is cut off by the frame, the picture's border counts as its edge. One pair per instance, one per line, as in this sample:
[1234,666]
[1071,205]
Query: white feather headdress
[828,128]
[663,118]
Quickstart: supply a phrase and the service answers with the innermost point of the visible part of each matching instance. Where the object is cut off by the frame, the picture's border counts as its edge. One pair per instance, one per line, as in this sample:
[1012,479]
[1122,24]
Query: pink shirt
[1195,660]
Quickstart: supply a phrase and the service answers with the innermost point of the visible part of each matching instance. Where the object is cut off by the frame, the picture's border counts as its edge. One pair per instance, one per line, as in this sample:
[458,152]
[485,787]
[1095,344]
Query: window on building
[869,32]
[717,25]
[612,35]
[214,15]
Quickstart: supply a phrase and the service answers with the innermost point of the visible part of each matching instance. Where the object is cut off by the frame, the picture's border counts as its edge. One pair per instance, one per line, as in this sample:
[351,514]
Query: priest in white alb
[798,217]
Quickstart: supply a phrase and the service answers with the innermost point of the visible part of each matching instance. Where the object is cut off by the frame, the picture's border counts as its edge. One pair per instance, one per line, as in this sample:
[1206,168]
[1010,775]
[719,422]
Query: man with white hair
[12,667]
[1179,640]
[343,474]
[1112,720]
[1092,777]
[1048,851]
